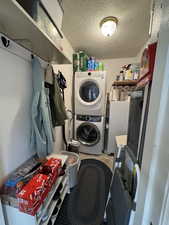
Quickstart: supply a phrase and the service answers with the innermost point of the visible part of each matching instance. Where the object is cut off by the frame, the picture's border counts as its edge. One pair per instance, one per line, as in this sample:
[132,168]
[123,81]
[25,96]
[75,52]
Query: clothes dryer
[90,93]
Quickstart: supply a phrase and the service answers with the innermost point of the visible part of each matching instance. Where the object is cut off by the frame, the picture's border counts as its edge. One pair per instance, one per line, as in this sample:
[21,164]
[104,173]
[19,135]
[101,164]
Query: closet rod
[3,36]
[24,58]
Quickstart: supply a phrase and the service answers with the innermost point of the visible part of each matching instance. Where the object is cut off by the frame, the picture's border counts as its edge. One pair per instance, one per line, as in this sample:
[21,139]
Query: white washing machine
[89,131]
[90,93]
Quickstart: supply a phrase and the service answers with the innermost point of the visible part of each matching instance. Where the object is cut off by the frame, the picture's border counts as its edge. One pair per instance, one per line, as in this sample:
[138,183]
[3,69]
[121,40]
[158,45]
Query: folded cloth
[57,106]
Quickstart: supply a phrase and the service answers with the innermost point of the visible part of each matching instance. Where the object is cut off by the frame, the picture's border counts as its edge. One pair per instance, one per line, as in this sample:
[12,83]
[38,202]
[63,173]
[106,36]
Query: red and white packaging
[55,165]
[32,194]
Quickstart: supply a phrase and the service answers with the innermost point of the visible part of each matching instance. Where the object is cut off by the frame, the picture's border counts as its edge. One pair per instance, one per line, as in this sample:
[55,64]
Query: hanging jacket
[57,106]
[42,137]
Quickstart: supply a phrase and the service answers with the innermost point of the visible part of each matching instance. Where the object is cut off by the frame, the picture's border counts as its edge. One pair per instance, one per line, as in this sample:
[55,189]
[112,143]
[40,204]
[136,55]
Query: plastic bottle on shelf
[76,62]
[135,71]
[121,76]
[96,66]
[128,73]
[92,63]
[101,66]
[83,60]
[89,64]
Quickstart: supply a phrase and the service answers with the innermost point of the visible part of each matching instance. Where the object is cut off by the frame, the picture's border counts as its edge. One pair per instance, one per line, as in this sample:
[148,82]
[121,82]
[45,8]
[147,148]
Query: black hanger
[5,41]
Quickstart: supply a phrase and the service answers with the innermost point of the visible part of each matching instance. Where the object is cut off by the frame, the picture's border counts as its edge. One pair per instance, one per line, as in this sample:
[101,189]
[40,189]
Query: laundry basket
[72,163]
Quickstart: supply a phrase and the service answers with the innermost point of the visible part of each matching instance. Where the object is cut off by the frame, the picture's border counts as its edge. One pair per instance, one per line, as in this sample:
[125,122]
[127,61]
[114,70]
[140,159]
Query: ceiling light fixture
[108,26]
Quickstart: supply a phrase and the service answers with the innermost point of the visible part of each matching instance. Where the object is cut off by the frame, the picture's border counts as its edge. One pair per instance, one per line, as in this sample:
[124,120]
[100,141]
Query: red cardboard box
[29,210]
[55,166]
[33,194]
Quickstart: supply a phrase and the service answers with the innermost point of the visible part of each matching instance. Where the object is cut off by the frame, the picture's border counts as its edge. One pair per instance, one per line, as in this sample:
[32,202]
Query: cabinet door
[55,11]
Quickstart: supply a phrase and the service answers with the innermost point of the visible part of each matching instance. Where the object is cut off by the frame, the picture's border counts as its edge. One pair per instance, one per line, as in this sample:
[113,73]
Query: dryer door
[89,92]
[88,134]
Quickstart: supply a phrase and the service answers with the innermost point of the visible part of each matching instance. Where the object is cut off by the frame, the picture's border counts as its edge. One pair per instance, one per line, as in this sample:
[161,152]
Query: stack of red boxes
[33,193]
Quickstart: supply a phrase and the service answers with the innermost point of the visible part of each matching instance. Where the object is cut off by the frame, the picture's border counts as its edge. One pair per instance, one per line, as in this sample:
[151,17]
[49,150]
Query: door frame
[2,218]
[164,217]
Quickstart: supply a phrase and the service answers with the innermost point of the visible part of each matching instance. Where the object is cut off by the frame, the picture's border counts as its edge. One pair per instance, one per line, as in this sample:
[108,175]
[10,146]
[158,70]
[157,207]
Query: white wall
[15,115]
[113,67]
[15,99]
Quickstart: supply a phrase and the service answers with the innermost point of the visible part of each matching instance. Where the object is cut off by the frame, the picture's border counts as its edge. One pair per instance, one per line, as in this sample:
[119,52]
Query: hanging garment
[57,106]
[42,137]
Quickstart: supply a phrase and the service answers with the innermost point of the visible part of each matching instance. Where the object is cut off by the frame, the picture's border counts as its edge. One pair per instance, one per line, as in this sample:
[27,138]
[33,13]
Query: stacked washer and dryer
[90,111]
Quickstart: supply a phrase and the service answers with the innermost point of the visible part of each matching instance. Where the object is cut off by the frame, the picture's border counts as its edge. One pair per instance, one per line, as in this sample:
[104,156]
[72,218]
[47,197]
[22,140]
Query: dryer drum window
[89,91]
[88,134]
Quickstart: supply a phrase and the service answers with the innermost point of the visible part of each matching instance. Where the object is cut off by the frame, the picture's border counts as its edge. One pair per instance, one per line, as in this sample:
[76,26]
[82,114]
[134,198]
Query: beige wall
[113,66]
[139,55]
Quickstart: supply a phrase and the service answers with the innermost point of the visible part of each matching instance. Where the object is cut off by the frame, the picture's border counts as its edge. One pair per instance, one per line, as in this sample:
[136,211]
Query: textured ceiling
[81,26]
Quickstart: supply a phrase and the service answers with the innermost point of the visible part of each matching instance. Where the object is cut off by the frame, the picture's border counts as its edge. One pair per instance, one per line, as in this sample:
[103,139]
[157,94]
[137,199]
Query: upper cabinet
[41,35]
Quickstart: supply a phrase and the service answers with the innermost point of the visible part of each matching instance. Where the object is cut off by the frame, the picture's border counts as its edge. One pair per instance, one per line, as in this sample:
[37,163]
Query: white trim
[154,165]
[156,145]
[133,212]
[18,50]
[2,218]
[164,217]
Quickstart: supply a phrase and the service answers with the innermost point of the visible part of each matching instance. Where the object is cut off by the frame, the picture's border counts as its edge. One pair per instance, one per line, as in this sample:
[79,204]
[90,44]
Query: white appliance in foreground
[89,131]
[118,123]
[90,93]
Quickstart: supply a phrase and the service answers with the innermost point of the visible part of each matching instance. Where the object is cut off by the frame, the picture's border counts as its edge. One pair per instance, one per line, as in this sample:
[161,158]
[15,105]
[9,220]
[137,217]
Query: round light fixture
[108,26]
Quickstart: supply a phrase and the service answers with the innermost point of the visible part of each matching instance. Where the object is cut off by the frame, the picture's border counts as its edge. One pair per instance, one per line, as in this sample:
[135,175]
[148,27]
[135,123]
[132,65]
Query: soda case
[33,194]
[54,166]
[82,61]
[76,66]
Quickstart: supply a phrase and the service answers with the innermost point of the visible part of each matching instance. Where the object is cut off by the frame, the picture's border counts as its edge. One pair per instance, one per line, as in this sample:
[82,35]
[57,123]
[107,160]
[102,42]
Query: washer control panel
[89,118]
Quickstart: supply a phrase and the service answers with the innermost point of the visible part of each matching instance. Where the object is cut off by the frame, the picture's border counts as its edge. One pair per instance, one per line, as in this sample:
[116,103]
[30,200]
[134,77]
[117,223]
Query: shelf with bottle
[82,62]
[129,74]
